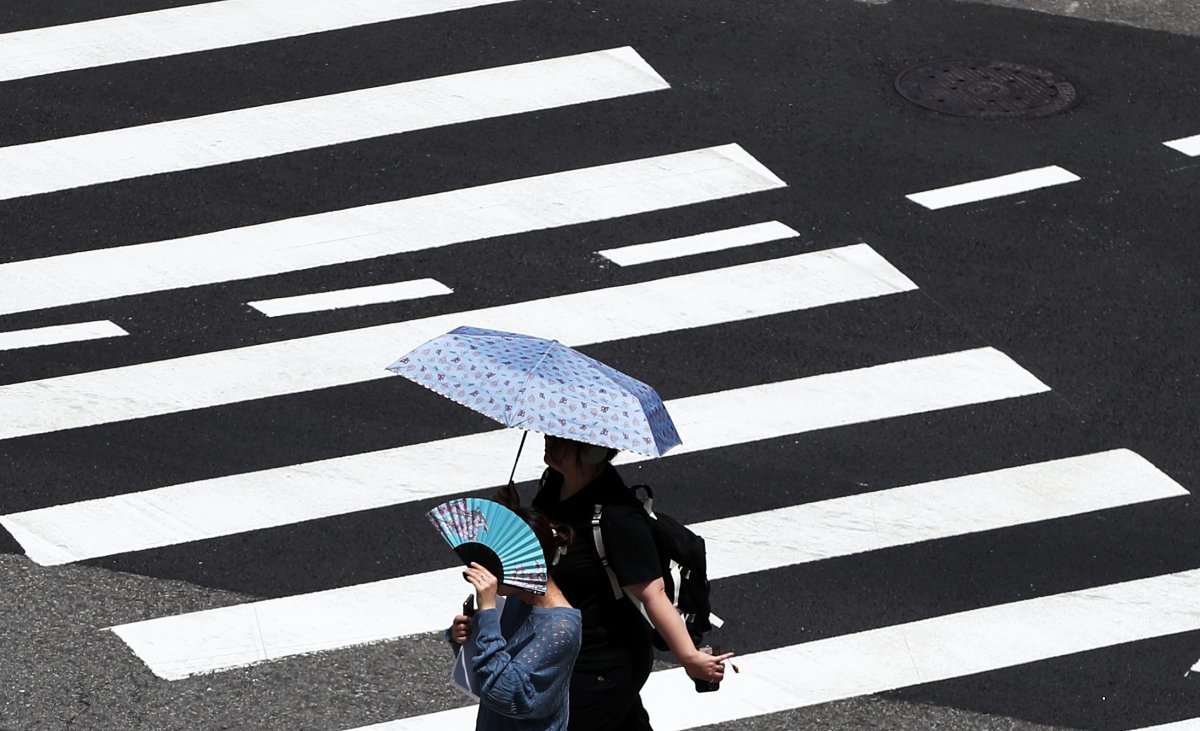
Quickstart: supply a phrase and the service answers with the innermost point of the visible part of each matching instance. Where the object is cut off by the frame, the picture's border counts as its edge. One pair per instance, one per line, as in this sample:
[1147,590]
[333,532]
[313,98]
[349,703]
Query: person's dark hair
[553,536]
[589,454]
[593,454]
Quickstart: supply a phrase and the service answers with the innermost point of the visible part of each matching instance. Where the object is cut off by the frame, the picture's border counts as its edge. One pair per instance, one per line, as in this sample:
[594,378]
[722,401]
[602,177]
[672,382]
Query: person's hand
[485,585]
[702,666]
[508,496]
[460,628]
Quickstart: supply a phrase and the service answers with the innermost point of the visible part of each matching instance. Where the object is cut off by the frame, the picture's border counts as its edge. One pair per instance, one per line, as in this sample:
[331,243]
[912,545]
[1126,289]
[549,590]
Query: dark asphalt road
[1090,286]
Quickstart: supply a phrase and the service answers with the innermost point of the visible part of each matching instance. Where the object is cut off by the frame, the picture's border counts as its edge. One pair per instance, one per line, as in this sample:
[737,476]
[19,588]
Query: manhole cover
[986,89]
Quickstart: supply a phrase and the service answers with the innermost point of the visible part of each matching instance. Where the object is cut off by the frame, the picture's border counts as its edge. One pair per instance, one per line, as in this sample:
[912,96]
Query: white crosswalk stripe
[192,28]
[1005,185]
[275,129]
[57,334]
[355,297]
[1190,724]
[757,233]
[1187,145]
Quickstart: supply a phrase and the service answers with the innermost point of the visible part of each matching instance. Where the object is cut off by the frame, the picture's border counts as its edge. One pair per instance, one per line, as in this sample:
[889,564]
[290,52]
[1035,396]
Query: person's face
[560,453]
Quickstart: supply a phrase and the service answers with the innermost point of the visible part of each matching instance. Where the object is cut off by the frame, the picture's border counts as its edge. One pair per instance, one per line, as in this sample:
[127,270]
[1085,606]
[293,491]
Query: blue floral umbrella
[544,386]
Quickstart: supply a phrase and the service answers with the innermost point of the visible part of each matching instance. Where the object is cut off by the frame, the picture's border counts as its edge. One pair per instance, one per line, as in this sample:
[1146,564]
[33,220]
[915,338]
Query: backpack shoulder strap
[598,539]
[647,500]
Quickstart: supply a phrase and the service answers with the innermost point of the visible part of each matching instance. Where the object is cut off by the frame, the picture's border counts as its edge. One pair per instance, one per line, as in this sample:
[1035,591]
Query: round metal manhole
[986,89]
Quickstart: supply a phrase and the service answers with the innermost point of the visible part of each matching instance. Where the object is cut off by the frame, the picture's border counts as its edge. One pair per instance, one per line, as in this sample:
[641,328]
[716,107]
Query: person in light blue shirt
[526,653]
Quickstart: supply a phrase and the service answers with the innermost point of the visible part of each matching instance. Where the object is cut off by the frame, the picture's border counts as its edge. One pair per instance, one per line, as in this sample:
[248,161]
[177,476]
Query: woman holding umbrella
[616,653]
[541,385]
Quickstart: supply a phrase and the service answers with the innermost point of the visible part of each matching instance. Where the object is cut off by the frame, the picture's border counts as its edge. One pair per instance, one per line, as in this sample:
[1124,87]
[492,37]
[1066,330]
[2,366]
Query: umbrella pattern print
[544,386]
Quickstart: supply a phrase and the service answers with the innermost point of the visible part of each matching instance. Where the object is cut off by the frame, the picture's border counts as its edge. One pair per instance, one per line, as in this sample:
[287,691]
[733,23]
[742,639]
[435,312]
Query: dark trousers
[610,701]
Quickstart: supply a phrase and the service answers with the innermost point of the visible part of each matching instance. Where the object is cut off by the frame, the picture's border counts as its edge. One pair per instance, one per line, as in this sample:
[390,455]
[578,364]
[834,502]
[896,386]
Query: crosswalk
[276,628]
[918,652]
[674,286]
[255,501]
[383,229]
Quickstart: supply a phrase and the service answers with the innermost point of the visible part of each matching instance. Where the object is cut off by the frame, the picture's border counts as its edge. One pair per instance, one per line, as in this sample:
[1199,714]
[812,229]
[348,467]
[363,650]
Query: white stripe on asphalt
[257,500]
[356,297]
[758,233]
[903,655]
[353,356]
[245,634]
[1190,724]
[1187,145]
[58,334]
[276,129]
[441,219]
[192,28]
[956,506]
[994,187]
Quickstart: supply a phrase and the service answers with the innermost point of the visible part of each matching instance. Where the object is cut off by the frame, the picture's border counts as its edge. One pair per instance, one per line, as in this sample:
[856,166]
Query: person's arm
[531,683]
[629,544]
[665,618]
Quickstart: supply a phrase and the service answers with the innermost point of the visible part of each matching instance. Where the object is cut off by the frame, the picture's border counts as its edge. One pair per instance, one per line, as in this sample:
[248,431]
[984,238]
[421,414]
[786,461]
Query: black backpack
[684,567]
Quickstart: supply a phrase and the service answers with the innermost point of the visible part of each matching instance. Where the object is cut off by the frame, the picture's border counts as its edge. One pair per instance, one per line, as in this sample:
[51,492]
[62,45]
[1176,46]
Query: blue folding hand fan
[496,538]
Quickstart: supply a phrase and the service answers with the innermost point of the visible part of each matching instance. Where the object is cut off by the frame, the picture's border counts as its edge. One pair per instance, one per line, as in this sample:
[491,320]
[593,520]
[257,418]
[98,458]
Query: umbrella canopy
[543,386]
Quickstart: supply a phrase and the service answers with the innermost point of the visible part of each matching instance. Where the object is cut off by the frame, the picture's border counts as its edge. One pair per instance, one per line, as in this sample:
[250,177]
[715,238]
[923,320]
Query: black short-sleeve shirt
[614,633]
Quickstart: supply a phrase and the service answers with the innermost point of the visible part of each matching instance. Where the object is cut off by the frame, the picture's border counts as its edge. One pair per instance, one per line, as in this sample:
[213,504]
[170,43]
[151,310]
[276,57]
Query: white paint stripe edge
[758,233]
[257,500]
[932,510]
[899,656]
[356,297]
[994,187]
[276,129]
[1190,724]
[57,334]
[199,27]
[1187,145]
[441,219]
[211,379]
[272,629]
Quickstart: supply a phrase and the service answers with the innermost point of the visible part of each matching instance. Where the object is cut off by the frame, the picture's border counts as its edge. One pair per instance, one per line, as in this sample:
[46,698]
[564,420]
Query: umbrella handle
[507,495]
[518,459]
